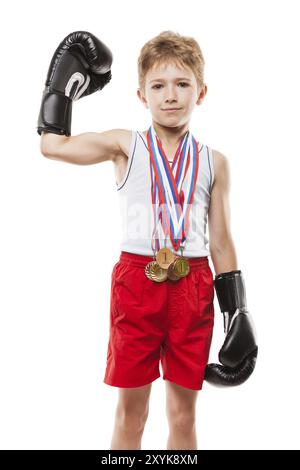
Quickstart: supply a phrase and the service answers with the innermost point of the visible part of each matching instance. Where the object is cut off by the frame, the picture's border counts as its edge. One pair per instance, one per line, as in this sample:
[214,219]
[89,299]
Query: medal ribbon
[168,191]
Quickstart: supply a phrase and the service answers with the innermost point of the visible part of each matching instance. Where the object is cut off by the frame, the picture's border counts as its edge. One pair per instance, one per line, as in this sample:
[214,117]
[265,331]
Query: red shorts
[170,321]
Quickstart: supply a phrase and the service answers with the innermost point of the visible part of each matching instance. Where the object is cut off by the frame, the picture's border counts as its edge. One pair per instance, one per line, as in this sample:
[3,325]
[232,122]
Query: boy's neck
[170,137]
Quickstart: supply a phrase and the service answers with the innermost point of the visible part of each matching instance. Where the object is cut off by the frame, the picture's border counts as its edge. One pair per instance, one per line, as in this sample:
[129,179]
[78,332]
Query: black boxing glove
[80,66]
[239,351]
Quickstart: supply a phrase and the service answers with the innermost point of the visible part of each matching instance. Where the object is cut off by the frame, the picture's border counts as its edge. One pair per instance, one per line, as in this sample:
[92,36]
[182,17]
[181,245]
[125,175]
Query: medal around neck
[175,271]
[155,272]
[172,188]
[178,269]
[172,191]
[181,267]
[164,257]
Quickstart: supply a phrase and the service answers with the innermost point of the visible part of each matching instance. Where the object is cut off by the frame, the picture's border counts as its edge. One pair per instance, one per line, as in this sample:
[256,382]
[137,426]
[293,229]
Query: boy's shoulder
[123,138]
[221,163]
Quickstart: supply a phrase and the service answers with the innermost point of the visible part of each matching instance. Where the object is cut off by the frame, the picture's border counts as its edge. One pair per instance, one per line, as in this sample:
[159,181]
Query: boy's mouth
[171,109]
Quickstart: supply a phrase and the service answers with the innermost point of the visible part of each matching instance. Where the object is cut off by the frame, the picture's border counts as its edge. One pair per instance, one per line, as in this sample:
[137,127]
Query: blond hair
[171,47]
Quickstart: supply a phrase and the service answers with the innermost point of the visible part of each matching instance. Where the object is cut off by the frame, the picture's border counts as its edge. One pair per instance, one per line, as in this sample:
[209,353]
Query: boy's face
[171,86]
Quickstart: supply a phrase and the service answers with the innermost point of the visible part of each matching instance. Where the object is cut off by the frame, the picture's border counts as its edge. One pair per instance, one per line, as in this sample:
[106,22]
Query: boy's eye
[180,83]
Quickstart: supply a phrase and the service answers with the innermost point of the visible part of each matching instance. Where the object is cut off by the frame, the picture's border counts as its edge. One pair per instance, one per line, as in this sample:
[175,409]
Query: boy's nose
[170,94]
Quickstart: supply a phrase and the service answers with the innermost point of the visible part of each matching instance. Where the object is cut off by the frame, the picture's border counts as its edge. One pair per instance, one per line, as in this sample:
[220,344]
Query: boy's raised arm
[79,67]
[83,149]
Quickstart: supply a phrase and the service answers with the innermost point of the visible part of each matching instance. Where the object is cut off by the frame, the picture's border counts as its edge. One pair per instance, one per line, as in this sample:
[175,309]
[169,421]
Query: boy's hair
[171,47]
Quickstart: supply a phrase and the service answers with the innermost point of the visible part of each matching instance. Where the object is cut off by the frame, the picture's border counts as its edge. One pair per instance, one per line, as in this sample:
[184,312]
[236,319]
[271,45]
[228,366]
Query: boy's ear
[141,97]
[202,94]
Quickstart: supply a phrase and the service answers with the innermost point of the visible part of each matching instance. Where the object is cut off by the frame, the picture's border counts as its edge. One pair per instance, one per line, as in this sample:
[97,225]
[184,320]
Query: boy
[162,286]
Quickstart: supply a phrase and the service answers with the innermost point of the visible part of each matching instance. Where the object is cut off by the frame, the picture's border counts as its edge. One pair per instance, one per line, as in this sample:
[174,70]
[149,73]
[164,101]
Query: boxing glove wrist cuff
[231,292]
[55,114]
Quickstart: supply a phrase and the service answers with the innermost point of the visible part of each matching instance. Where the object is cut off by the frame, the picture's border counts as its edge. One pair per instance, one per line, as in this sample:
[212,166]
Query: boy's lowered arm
[221,243]
[238,353]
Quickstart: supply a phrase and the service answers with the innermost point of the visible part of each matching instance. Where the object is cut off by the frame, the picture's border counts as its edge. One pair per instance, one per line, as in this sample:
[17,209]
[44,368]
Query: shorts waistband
[141,260]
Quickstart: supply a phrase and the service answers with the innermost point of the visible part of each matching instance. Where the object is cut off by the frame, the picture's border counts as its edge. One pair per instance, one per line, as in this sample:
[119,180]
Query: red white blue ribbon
[172,187]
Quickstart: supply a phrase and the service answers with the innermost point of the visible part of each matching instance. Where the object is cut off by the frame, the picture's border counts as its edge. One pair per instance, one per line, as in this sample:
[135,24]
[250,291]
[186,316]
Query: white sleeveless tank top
[136,203]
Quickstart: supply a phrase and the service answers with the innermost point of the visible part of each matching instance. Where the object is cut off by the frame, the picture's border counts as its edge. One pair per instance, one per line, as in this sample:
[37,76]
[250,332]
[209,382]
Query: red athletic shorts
[170,321]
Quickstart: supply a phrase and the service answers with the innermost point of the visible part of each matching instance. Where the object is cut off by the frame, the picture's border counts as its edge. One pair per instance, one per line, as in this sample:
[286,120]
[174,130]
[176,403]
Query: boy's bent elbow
[50,144]
[44,151]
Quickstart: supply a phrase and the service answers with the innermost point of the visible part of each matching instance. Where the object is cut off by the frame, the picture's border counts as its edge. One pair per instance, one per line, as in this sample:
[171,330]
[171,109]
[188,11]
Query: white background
[57,251]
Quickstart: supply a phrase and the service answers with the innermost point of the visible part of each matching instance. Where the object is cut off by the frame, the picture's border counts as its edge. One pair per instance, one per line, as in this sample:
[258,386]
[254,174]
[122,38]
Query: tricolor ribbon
[170,184]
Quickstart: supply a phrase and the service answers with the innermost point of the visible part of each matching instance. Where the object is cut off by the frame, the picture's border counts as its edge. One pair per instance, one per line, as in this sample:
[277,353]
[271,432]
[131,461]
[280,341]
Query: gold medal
[155,272]
[164,257]
[171,275]
[181,267]
[178,269]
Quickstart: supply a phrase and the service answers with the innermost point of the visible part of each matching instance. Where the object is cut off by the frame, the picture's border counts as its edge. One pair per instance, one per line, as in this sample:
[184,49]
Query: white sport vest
[136,203]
